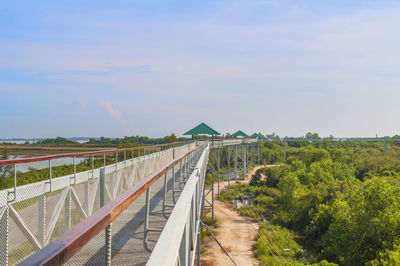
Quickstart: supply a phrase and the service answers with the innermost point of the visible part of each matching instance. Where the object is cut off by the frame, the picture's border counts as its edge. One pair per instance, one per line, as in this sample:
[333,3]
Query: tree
[310,135]
[5,170]
[363,225]
[171,139]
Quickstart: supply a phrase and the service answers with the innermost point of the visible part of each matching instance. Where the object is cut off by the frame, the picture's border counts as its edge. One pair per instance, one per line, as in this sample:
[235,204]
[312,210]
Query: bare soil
[235,232]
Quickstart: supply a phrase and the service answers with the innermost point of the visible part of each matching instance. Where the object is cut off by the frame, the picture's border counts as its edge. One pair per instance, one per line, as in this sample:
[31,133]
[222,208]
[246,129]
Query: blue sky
[116,68]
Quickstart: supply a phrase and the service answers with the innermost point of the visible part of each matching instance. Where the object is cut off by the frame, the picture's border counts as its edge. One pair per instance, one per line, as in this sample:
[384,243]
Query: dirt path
[235,232]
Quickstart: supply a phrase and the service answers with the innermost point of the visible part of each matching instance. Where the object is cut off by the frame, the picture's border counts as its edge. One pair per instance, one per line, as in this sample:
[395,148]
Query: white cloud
[115,113]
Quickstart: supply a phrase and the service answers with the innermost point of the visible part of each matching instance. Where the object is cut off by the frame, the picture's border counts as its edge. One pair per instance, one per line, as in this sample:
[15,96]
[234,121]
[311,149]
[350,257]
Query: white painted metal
[177,243]
[40,212]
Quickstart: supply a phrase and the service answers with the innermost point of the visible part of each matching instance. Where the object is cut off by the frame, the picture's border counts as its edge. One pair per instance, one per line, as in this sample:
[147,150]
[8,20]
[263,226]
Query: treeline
[57,141]
[136,139]
[109,141]
[343,203]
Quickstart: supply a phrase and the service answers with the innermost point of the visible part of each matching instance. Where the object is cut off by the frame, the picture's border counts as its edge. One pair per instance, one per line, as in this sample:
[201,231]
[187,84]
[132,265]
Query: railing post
[68,210]
[244,160]
[42,219]
[180,174]
[251,155]
[108,236]
[102,186]
[228,149]
[212,185]
[236,161]
[165,194]
[146,219]
[108,243]
[218,166]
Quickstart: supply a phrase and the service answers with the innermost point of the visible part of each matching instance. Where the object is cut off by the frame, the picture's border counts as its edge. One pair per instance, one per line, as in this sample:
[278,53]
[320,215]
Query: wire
[279,254]
[216,240]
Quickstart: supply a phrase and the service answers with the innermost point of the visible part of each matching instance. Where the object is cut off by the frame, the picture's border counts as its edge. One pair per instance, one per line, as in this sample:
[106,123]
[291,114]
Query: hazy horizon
[100,68]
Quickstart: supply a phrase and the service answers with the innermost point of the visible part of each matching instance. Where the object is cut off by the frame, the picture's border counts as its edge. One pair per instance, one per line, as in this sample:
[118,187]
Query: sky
[126,67]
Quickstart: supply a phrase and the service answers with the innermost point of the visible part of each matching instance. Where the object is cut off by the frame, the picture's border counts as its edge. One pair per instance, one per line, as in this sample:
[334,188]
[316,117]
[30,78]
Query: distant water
[24,167]
[16,141]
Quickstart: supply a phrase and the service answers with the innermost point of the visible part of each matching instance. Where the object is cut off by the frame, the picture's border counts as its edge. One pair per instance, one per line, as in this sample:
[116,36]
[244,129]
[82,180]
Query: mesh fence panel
[38,216]
[128,230]
[19,245]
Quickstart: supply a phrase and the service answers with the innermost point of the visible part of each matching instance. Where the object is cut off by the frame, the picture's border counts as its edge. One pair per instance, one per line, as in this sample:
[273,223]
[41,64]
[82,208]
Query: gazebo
[255,136]
[240,133]
[202,129]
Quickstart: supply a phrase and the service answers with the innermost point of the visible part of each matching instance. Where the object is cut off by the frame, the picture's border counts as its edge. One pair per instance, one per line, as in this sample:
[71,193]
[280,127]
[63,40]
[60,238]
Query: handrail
[56,156]
[65,246]
[188,207]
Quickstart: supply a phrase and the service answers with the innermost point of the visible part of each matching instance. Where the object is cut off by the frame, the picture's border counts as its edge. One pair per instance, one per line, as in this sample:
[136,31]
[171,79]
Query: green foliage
[343,202]
[171,139]
[35,175]
[364,224]
[5,170]
[57,141]
[388,258]
[274,240]
[132,139]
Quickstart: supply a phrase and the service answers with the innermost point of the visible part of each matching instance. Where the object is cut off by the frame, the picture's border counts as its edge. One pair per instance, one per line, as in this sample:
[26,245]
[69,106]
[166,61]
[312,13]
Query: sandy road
[235,232]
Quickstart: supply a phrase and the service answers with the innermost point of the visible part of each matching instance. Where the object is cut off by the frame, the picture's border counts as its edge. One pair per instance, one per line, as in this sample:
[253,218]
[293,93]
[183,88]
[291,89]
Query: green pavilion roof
[255,135]
[239,133]
[202,129]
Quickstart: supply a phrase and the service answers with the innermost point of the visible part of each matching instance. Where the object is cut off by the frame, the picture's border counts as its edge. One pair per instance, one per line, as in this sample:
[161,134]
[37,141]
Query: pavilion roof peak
[202,129]
[239,133]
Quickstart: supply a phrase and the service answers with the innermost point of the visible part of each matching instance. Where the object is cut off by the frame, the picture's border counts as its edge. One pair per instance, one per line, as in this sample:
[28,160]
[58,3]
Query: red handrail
[64,247]
[50,157]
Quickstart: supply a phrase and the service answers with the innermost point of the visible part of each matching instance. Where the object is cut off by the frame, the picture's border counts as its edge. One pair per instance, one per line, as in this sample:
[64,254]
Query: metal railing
[67,245]
[180,238]
[32,215]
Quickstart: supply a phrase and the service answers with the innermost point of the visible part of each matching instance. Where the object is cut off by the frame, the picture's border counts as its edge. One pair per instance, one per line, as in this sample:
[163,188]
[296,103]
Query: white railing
[42,211]
[179,239]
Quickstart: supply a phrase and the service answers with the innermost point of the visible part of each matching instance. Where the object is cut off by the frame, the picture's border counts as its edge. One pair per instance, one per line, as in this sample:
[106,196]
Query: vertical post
[42,219]
[258,153]
[146,218]
[173,182]
[50,176]
[165,193]
[102,186]
[284,151]
[180,174]
[15,181]
[4,233]
[198,248]
[244,160]
[236,161]
[228,149]
[92,166]
[68,210]
[212,185]
[218,166]
[74,170]
[108,245]
[108,236]
[251,155]
[116,161]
